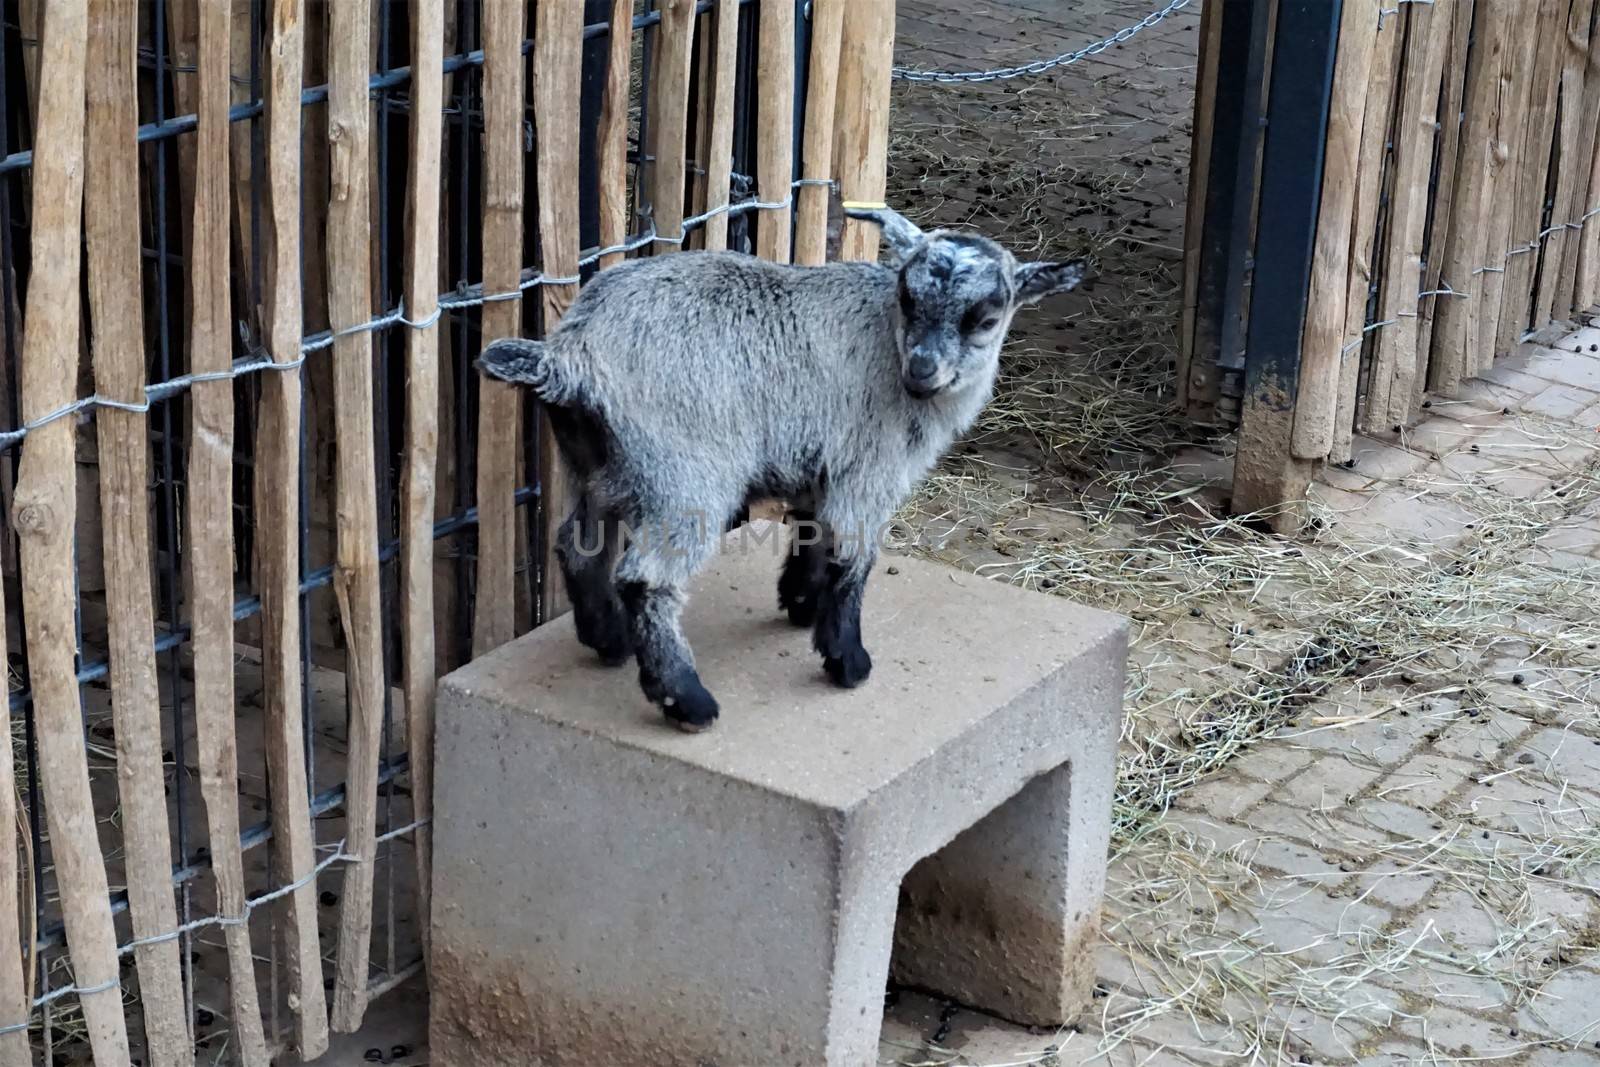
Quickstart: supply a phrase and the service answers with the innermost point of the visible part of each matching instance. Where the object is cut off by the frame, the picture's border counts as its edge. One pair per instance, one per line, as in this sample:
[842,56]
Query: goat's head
[957,293]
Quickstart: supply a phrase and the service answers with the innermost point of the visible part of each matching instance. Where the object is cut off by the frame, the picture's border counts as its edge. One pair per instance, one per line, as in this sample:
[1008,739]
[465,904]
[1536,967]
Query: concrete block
[610,890]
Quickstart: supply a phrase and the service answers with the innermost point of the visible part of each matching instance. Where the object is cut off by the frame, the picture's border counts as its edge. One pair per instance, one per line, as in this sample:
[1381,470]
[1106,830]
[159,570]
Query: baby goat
[682,387]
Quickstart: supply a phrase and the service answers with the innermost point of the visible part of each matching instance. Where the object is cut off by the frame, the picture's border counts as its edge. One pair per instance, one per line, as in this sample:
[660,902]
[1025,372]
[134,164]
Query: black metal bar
[1291,191]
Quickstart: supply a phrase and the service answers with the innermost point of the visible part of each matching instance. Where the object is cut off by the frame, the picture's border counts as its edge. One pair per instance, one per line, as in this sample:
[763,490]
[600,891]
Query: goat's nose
[921,367]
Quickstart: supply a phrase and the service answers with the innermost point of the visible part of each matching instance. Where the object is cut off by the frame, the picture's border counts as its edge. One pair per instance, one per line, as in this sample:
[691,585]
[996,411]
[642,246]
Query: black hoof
[690,707]
[850,669]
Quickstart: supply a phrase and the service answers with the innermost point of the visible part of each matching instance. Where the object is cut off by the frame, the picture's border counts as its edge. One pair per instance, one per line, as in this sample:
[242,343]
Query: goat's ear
[1038,280]
[901,234]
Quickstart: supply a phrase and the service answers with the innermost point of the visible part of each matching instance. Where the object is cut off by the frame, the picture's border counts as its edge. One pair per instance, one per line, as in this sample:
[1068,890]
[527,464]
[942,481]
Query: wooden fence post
[499,403]
[210,514]
[1363,243]
[43,518]
[557,74]
[421,448]
[774,139]
[866,53]
[1392,386]
[822,82]
[277,502]
[1465,247]
[1532,171]
[1451,103]
[669,106]
[355,572]
[111,225]
[719,161]
[1553,299]
[1325,316]
[611,142]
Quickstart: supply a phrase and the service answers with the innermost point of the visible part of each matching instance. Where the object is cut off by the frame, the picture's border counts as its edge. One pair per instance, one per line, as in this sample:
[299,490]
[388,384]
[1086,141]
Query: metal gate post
[1266,477]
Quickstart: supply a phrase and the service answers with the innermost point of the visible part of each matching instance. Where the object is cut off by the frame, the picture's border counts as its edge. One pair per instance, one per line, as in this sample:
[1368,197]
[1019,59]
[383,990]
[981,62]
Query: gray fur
[717,377]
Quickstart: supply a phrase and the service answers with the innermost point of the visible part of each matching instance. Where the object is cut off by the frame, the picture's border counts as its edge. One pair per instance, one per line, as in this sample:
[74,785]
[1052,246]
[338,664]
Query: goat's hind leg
[804,569]
[586,547]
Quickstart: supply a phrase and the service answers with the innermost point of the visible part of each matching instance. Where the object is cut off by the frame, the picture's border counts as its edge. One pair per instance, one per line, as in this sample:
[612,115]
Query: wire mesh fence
[241,128]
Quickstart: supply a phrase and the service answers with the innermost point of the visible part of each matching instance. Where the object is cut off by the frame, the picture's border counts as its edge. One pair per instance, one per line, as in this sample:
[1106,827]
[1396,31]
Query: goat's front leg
[838,623]
[666,666]
[586,546]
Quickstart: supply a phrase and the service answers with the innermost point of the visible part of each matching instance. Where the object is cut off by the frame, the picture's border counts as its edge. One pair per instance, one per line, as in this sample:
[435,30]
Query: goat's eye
[980,320]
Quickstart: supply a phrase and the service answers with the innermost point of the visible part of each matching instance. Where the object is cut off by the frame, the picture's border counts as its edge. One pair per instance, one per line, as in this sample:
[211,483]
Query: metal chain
[1065,59]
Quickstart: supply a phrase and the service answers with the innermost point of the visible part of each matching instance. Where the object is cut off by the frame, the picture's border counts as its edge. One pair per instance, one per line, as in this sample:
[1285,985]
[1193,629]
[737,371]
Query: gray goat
[682,387]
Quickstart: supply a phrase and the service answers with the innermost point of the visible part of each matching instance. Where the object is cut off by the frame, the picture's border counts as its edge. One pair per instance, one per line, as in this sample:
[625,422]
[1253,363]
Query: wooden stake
[1364,214]
[822,82]
[355,571]
[421,449]
[1553,298]
[277,501]
[43,518]
[866,54]
[611,140]
[774,139]
[111,225]
[1451,102]
[1454,320]
[1525,184]
[210,515]
[1323,336]
[499,404]
[557,69]
[1532,176]
[1586,187]
[719,161]
[1395,367]
[669,105]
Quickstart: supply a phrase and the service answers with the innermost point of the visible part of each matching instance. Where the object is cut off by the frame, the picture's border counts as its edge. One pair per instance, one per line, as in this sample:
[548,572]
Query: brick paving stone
[1561,401]
[1453,1033]
[1562,756]
[1567,368]
[1520,382]
[1479,738]
[1439,436]
[1383,461]
[1578,537]
[1271,763]
[1462,920]
[1566,1007]
[1383,740]
[1425,780]
[1398,818]
[1226,796]
[1510,803]
[1392,884]
[1329,784]
[1403,513]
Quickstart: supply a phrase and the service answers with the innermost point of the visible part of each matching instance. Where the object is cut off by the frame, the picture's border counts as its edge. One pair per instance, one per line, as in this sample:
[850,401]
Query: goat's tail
[529,363]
